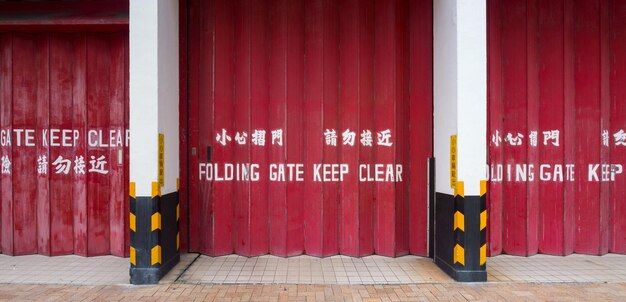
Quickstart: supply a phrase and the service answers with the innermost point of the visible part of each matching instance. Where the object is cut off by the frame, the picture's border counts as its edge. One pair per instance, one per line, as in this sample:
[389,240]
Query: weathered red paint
[6,120]
[98,187]
[79,122]
[568,55]
[223,119]
[242,152]
[293,79]
[65,81]
[305,67]
[551,116]
[46,235]
[321,112]
[569,109]
[420,119]
[329,51]
[60,115]
[514,76]
[126,159]
[27,52]
[313,106]
[385,102]
[366,79]
[117,183]
[259,100]
[617,44]
[494,122]
[587,85]
[196,209]
[400,129]
[532,84]
[349,57]
[251,45]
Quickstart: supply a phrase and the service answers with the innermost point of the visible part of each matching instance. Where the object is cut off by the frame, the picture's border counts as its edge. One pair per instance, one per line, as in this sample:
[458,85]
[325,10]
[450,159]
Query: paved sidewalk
[305,278]
[545,268]
[415,292]
[233,269]
[71,269]
[109,270]
[75,270]
[313,270]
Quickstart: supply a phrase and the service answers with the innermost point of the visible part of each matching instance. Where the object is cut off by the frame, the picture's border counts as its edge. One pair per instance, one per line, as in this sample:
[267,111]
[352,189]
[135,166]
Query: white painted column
[460,91]
[460,111]
[154,93]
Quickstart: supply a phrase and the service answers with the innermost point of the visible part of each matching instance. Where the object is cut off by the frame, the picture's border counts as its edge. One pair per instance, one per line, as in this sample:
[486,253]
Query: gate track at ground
[186,268]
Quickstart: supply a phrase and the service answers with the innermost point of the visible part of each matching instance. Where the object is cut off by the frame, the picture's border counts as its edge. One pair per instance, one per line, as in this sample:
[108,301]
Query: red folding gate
[63,144]
[557,116]
[335,94]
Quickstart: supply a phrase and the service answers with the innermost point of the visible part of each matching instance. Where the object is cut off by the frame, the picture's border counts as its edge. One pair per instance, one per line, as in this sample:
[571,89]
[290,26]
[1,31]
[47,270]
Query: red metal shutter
[307,68]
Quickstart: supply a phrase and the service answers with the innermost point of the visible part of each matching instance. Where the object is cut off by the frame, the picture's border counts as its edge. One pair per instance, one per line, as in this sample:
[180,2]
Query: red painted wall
[75,82]
[306,67]
[556,66]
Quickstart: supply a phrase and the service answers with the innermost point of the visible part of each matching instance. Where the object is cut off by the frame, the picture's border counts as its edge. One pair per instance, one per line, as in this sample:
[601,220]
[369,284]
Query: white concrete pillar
[460,114]
[154,164]
[460,91]
[154,93]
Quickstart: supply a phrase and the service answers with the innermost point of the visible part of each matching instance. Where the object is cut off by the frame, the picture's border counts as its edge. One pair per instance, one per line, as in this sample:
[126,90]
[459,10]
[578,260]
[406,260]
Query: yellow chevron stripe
[177,212]
[178,241]
[131,190]
[483,254]
[156,189]
[459,189]
[483,187]
[155,221]
[459,221]
[133,256]
[156,255]
[133,222]
[483,220]
[459,254]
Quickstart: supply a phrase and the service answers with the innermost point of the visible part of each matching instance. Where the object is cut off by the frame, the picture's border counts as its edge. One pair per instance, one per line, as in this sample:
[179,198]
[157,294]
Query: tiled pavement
[544,268]
[291,292]
[38,269]
[401,270]
[313,270]
[304,278]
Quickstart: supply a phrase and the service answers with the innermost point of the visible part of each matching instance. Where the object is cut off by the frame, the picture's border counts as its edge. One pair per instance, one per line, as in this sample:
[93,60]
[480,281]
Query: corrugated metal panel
[554,115]
[70,90]
[617,59]
[308,68]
